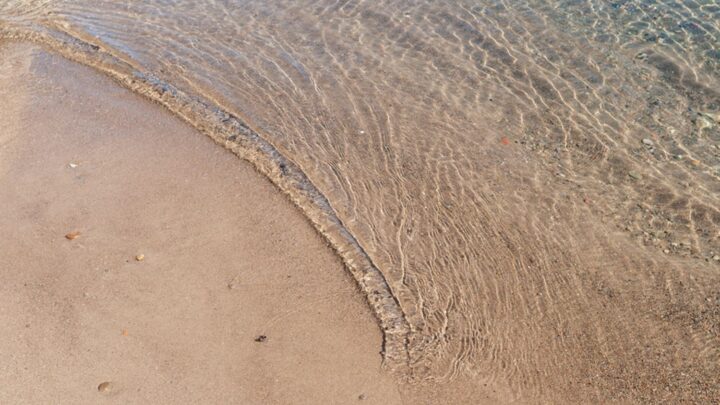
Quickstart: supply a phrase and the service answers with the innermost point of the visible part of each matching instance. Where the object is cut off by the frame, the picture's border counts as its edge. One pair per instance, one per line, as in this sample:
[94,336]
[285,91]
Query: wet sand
[226,259]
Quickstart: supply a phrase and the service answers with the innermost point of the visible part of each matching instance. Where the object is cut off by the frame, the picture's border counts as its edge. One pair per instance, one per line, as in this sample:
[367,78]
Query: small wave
[235,135]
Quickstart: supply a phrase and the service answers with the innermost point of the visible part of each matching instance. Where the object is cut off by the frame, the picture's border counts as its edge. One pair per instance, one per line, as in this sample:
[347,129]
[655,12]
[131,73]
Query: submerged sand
[226,259]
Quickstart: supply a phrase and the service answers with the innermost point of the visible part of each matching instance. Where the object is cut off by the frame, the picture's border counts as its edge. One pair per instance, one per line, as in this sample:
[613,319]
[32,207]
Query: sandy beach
[142,263]
[389,202]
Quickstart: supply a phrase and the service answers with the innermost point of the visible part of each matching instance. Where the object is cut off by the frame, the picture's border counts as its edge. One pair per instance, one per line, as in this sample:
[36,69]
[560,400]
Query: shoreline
[236,136]
[520,236]
[168,290]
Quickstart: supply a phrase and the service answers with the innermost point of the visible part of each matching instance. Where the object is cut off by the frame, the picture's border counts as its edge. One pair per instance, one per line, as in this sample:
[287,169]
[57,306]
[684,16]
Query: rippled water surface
[528,191]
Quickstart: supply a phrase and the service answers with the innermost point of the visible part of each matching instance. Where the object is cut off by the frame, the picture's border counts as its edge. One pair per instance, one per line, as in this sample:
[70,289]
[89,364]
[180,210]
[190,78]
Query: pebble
[362,397]
[716,258]
[106,386]
[705,122]
[72,235]
[140,257]
[648,142]
[261,338]
[666,251]
[634,175]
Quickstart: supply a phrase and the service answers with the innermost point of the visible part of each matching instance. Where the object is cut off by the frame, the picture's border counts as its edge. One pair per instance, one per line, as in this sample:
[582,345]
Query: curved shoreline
[230,132]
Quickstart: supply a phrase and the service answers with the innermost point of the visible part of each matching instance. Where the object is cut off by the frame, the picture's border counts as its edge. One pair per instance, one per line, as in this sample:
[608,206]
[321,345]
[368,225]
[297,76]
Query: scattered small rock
[704,122]
[261,339]
[140,257]
[362,397]
[648,142]
[106,386]
[716,258]
[72,235]
[233,284]
[666,251]
[635,175]
[73,165]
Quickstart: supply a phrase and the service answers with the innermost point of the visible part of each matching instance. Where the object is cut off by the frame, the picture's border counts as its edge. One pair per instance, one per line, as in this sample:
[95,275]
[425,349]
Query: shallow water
[527,190]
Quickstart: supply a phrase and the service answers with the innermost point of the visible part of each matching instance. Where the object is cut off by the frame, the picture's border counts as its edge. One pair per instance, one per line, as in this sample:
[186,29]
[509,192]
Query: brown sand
[226,259]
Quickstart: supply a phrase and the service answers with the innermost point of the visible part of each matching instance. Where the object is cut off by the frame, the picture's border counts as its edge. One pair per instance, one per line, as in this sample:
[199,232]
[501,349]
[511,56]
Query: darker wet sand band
[229,131]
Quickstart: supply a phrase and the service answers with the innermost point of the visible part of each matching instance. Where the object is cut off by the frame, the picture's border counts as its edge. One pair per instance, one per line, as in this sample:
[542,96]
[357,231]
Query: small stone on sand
[634,175]
[648,142]
[261,338]
[72,235]
[106,386]
[140,257]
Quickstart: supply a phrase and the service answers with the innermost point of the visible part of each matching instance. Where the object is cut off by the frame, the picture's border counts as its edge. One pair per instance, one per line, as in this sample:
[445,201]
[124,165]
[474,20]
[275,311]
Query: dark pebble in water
[261,338]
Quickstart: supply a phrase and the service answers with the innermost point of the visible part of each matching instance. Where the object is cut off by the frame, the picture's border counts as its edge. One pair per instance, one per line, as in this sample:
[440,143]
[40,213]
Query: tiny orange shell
[105,386]
[72,235]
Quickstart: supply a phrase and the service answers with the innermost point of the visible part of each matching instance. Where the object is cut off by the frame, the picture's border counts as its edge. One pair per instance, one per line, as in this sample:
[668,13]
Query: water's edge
[235,135]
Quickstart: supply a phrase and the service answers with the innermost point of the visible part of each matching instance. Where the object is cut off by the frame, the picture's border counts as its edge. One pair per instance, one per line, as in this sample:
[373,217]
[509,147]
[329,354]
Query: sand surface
[225,259]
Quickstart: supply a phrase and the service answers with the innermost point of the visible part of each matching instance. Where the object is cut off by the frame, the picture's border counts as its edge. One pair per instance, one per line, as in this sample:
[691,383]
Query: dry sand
[226,258]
